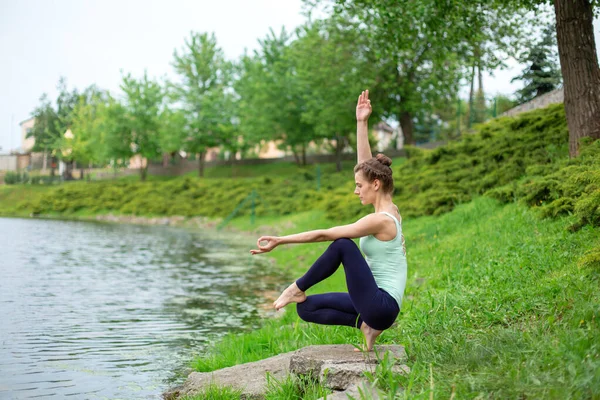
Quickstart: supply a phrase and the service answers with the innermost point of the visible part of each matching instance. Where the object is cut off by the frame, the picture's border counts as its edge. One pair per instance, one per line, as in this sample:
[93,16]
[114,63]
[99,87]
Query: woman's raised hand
[272,242]
[363,106]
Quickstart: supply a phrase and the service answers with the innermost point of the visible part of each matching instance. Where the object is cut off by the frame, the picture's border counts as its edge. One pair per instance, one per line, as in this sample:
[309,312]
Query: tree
[542,74]
[580,70]
[173,130]
[65,105]
[85,146]
[116,135]
[205,77]
[333,64]
[143,105]
[272,97]
[44,130]
[577,53]
[427,52]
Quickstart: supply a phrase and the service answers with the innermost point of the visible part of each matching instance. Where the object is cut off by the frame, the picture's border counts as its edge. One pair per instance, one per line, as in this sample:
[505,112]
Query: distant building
[27,143]
[386,135]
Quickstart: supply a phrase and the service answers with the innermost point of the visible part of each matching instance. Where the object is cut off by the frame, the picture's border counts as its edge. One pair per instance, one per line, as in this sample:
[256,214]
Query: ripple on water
[93,310]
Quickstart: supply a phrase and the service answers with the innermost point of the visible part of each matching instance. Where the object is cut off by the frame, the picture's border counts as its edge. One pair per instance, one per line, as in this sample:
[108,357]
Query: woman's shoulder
[395,213]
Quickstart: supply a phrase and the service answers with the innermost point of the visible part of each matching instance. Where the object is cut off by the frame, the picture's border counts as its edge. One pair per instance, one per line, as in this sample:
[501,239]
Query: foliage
[44,130]
[272,99]
[215,392]
[345,69]
[86,146]
[143,105]
[497,305]
[186,196]
[434,182]
[204,94]
[542,74]
[424,51]
[522,158]
[568,187]
[11,178]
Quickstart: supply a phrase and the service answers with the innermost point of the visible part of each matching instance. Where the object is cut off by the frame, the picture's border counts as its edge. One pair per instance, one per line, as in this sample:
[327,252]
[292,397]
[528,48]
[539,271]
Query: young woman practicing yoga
[376,281]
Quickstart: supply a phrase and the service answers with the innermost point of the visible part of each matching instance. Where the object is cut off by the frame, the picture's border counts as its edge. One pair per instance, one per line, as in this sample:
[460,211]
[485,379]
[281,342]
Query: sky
[97,41]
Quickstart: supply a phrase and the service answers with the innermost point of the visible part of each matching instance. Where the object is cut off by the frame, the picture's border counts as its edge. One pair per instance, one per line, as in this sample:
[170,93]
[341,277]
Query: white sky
[92,41]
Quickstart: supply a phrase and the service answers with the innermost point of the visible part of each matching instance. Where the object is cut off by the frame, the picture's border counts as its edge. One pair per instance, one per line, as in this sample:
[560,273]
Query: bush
[13,178]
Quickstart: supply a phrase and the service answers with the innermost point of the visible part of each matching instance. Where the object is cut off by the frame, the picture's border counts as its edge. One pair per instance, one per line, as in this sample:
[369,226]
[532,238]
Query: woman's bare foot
[290,295]
[370,337]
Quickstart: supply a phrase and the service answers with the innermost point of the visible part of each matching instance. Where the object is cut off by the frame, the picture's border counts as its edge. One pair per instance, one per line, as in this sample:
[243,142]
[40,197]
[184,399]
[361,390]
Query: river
[92,310]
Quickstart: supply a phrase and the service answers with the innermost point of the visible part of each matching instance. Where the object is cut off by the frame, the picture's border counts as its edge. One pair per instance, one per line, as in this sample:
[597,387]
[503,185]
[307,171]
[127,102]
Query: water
[105,311]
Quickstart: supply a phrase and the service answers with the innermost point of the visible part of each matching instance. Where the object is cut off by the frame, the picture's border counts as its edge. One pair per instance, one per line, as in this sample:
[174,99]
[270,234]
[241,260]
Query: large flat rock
[337,367]
[309,360]
[250,378]
[360,390]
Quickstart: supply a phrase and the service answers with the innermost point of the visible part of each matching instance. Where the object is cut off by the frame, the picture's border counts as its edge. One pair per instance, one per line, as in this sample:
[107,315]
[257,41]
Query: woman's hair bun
[385,160]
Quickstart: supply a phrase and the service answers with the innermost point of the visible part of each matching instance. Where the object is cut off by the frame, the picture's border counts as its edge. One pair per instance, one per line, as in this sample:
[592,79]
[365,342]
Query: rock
[308,360]
[368,391]
[338,367]
[342,376]
[250,378]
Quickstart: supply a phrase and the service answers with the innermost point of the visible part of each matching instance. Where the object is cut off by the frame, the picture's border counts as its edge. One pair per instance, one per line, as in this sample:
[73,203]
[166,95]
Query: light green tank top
[387,260]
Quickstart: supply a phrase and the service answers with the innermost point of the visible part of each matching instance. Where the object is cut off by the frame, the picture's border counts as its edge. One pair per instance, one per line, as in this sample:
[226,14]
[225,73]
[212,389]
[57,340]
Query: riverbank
[498,303]
[502,236]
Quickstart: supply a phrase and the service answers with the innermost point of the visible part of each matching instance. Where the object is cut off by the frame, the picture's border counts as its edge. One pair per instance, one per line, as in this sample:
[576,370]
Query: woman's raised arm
[363,111]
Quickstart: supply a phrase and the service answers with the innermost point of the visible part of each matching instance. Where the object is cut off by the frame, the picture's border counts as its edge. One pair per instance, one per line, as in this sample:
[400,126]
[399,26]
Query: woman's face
[364,189]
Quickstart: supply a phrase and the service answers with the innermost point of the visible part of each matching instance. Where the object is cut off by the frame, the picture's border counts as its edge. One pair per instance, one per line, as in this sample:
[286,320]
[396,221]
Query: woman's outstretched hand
[363,106]
[272,242]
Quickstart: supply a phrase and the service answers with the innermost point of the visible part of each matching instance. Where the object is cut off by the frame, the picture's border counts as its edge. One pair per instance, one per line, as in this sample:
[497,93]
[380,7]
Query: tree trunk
[471,97]
[408,128]
[52,166]
[232,163]
[580,71]
[45,161]
[201,163]
[295,154]
[480,96]
[143,173]
[339,144]
[303,153]
[81,173]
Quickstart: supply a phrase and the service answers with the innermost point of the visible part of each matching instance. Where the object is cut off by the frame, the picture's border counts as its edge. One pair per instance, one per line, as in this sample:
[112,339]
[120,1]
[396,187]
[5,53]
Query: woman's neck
[383,203]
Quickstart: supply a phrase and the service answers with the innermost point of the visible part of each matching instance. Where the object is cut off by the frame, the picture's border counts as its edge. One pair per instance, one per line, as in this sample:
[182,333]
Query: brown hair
[378,167]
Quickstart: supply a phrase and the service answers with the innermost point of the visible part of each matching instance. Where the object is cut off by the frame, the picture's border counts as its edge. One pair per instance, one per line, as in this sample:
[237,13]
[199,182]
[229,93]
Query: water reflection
[95,310]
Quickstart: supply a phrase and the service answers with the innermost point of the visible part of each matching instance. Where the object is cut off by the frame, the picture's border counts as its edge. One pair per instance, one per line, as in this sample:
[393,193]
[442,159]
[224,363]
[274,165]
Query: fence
[14,162]
[184,166]
[555,96]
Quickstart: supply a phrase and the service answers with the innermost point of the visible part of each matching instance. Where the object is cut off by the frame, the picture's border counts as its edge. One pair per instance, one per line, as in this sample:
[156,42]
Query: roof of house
[382,126]
[26,120]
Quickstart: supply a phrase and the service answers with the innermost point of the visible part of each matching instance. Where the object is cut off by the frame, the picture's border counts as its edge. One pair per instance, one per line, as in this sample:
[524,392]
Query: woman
[375,282]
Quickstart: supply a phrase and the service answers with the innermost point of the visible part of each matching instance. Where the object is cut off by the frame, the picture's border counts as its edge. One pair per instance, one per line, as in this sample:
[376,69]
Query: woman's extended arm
[368,225]
[363,111]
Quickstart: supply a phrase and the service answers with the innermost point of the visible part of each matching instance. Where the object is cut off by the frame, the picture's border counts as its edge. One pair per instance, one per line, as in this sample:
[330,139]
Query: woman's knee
[303,311]
[343,243]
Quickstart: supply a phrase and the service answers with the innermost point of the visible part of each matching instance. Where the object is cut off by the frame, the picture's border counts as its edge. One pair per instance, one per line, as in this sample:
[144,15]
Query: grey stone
[360,390]
[250,378]
[309,360]
[337,366]
[343,376]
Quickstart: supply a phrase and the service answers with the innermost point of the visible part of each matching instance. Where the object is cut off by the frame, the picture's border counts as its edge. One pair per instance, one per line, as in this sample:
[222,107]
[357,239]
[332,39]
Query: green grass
[214,392]
[496,306]
[499,304]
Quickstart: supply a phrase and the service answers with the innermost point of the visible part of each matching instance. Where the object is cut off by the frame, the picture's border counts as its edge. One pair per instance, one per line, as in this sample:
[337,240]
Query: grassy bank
[502,233]
[498,305]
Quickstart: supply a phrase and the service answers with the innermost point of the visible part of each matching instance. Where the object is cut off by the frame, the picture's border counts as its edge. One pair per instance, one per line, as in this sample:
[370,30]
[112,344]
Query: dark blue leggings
[364,300]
